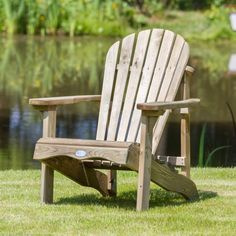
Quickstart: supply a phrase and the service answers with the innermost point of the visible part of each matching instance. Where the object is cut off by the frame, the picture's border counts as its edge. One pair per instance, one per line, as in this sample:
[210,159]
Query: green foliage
[65,16]
[107,17]
[14,11]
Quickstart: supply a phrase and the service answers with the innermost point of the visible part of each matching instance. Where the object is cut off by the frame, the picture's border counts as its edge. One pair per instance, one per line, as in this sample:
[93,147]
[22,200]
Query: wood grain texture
[145,81]
[158,86]
[145,158]
[121,80]
[119,90]
[171,160]
[185,143]
[118,152]
[107,88]
[55,101]
[84,142]
[76,171]
[134,78]
[44,151]
[155,106]
[47,173]
[47,183]
[185,128]
[171,181]
[171,84]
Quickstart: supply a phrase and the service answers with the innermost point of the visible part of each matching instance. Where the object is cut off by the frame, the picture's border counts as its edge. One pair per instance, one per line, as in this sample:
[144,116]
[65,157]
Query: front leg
[145,158]
[47,173]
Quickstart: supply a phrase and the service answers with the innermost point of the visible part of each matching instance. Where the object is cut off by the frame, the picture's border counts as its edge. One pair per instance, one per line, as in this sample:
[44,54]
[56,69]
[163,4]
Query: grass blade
[211,154]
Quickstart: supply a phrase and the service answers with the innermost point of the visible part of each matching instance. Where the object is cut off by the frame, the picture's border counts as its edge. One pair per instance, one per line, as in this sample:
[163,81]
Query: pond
[39,67]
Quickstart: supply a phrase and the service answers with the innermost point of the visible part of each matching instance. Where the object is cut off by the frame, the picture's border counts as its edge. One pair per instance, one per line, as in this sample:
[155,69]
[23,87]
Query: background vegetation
[113,17]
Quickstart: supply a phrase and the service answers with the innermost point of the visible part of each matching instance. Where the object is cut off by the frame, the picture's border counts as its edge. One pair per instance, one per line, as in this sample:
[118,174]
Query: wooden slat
[174,83]
[170,71]
[160,69]
[98,164]
[147,73]
[158,130]
[136,68]
[161,66]
[122,76]
[45,151]
[84,142]
[172,160]
[179,71]
[108,83]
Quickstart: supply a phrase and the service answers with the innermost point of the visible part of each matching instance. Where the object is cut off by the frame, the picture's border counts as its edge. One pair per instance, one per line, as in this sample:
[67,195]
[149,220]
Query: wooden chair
[142,75]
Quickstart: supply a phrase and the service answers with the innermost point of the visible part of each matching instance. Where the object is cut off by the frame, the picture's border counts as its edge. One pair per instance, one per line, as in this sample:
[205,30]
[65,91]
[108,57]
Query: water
[39,67]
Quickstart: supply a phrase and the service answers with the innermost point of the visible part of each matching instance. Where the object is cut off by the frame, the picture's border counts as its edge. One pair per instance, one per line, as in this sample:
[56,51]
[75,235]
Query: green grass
[82,211]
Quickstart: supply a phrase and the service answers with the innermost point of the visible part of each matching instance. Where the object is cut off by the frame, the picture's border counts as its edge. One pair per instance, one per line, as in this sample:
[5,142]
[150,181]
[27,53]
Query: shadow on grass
[204,195]
[127,200]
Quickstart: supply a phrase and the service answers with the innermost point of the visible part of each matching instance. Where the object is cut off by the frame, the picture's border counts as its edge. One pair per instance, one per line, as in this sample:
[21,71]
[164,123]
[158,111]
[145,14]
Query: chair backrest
[146,67]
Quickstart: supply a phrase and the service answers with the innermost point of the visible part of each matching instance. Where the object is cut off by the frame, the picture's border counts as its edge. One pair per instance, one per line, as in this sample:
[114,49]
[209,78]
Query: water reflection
[37,67]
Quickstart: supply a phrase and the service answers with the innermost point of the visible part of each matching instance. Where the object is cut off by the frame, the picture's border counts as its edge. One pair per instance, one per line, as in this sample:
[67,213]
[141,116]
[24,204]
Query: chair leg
[185,143]
[47,176]
[185,126]
[112,183]
[145,158]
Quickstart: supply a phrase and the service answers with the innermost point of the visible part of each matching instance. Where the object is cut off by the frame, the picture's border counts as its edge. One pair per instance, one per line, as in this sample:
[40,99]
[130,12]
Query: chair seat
[119,153]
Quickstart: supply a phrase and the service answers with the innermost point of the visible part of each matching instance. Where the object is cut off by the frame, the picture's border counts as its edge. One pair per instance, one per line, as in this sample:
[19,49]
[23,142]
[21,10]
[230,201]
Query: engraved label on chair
[80,153]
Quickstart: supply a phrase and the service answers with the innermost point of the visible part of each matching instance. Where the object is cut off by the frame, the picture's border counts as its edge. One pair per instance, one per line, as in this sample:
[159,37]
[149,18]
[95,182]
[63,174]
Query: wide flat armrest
[55,101]
[156,106]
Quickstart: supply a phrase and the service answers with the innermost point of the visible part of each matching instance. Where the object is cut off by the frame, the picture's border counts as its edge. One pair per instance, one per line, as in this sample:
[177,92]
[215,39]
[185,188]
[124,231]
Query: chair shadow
[127,200]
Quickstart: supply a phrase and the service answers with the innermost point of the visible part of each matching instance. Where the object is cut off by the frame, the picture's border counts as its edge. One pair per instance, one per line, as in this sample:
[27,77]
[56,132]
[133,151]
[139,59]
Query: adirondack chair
[142,75]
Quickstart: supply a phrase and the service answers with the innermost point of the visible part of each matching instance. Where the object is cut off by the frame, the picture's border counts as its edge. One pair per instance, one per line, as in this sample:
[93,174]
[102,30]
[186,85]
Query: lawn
[82,211]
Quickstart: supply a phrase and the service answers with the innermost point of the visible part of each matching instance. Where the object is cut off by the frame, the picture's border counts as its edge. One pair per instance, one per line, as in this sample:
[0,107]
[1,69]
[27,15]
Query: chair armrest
[158,106]
[55,101]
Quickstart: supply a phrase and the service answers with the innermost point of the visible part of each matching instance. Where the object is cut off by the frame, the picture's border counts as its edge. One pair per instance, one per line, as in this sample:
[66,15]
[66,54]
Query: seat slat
[84,142]
[136,68]
[122,75]
[108,83]
[152,53]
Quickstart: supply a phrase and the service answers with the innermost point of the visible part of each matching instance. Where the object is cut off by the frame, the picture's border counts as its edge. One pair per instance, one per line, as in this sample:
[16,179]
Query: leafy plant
[14,11]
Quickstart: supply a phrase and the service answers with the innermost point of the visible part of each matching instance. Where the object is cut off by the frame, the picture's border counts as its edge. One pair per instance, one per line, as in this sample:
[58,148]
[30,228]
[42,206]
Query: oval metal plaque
[80,153]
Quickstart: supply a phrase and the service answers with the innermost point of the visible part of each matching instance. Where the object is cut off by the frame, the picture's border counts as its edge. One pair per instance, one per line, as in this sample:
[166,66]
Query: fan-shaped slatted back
[141,68]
